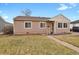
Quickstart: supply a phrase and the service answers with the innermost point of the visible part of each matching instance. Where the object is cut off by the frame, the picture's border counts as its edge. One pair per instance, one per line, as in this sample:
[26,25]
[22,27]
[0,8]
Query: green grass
[31,45]
[72,39]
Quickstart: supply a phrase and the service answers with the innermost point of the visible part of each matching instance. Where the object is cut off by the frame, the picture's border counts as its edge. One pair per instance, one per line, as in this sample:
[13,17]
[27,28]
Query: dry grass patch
[31,44]
[72,39]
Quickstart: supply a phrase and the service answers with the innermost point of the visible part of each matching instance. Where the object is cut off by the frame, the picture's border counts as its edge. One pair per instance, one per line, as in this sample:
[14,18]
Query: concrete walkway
[64,43]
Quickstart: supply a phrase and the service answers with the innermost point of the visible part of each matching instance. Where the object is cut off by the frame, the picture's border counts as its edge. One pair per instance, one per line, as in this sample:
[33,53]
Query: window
[28,24]
[65,25]
[59,25]
[42,25]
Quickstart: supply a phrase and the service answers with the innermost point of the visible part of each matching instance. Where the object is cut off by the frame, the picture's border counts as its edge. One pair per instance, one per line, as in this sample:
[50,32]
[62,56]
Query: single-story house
[74,25]
[41,25]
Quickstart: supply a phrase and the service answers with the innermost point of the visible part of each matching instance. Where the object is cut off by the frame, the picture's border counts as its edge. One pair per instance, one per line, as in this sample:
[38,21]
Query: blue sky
[10,10]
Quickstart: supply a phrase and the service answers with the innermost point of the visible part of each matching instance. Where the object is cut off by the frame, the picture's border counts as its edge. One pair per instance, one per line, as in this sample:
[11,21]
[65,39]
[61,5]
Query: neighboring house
[74,24]
[41,25]
[3,23]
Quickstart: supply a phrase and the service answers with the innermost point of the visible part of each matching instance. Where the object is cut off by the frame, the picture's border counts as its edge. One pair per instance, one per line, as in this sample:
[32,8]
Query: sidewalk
[64,43]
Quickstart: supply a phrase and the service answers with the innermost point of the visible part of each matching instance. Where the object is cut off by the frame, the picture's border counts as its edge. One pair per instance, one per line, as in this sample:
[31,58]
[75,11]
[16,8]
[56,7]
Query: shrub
[8,29]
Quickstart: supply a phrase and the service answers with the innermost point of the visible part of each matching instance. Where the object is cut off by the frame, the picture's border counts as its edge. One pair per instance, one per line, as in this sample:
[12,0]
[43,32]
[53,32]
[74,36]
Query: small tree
[27,12]
[8,29]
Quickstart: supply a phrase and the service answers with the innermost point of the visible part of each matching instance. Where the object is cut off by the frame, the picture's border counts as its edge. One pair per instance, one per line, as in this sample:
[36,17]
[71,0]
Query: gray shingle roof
[33,18]
[3,23]
[73,22]
[2,20]
[22,18]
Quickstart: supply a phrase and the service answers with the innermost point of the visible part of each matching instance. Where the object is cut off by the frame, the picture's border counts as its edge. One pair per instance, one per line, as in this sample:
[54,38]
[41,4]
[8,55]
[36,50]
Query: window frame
[61,25]
[64,25]
[42,27]
[28,22]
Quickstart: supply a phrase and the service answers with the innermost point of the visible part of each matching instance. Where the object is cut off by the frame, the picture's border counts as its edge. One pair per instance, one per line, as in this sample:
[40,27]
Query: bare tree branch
[26,12]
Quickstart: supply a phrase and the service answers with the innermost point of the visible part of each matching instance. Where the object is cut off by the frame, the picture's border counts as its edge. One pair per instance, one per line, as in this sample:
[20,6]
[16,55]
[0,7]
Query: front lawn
[31,44]
[72,39]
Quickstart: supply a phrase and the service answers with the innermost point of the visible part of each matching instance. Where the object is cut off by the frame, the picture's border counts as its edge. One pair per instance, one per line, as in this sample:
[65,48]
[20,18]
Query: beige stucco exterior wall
[19,28]
[61,19]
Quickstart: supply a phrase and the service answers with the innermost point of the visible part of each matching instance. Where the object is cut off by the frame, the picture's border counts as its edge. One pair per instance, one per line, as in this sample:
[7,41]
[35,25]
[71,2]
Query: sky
[10,10]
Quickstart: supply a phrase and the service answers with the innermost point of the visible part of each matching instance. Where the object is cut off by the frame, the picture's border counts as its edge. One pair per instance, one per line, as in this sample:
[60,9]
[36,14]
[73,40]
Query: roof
[33,18]
[73,22]
[3,21]
[24,18]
